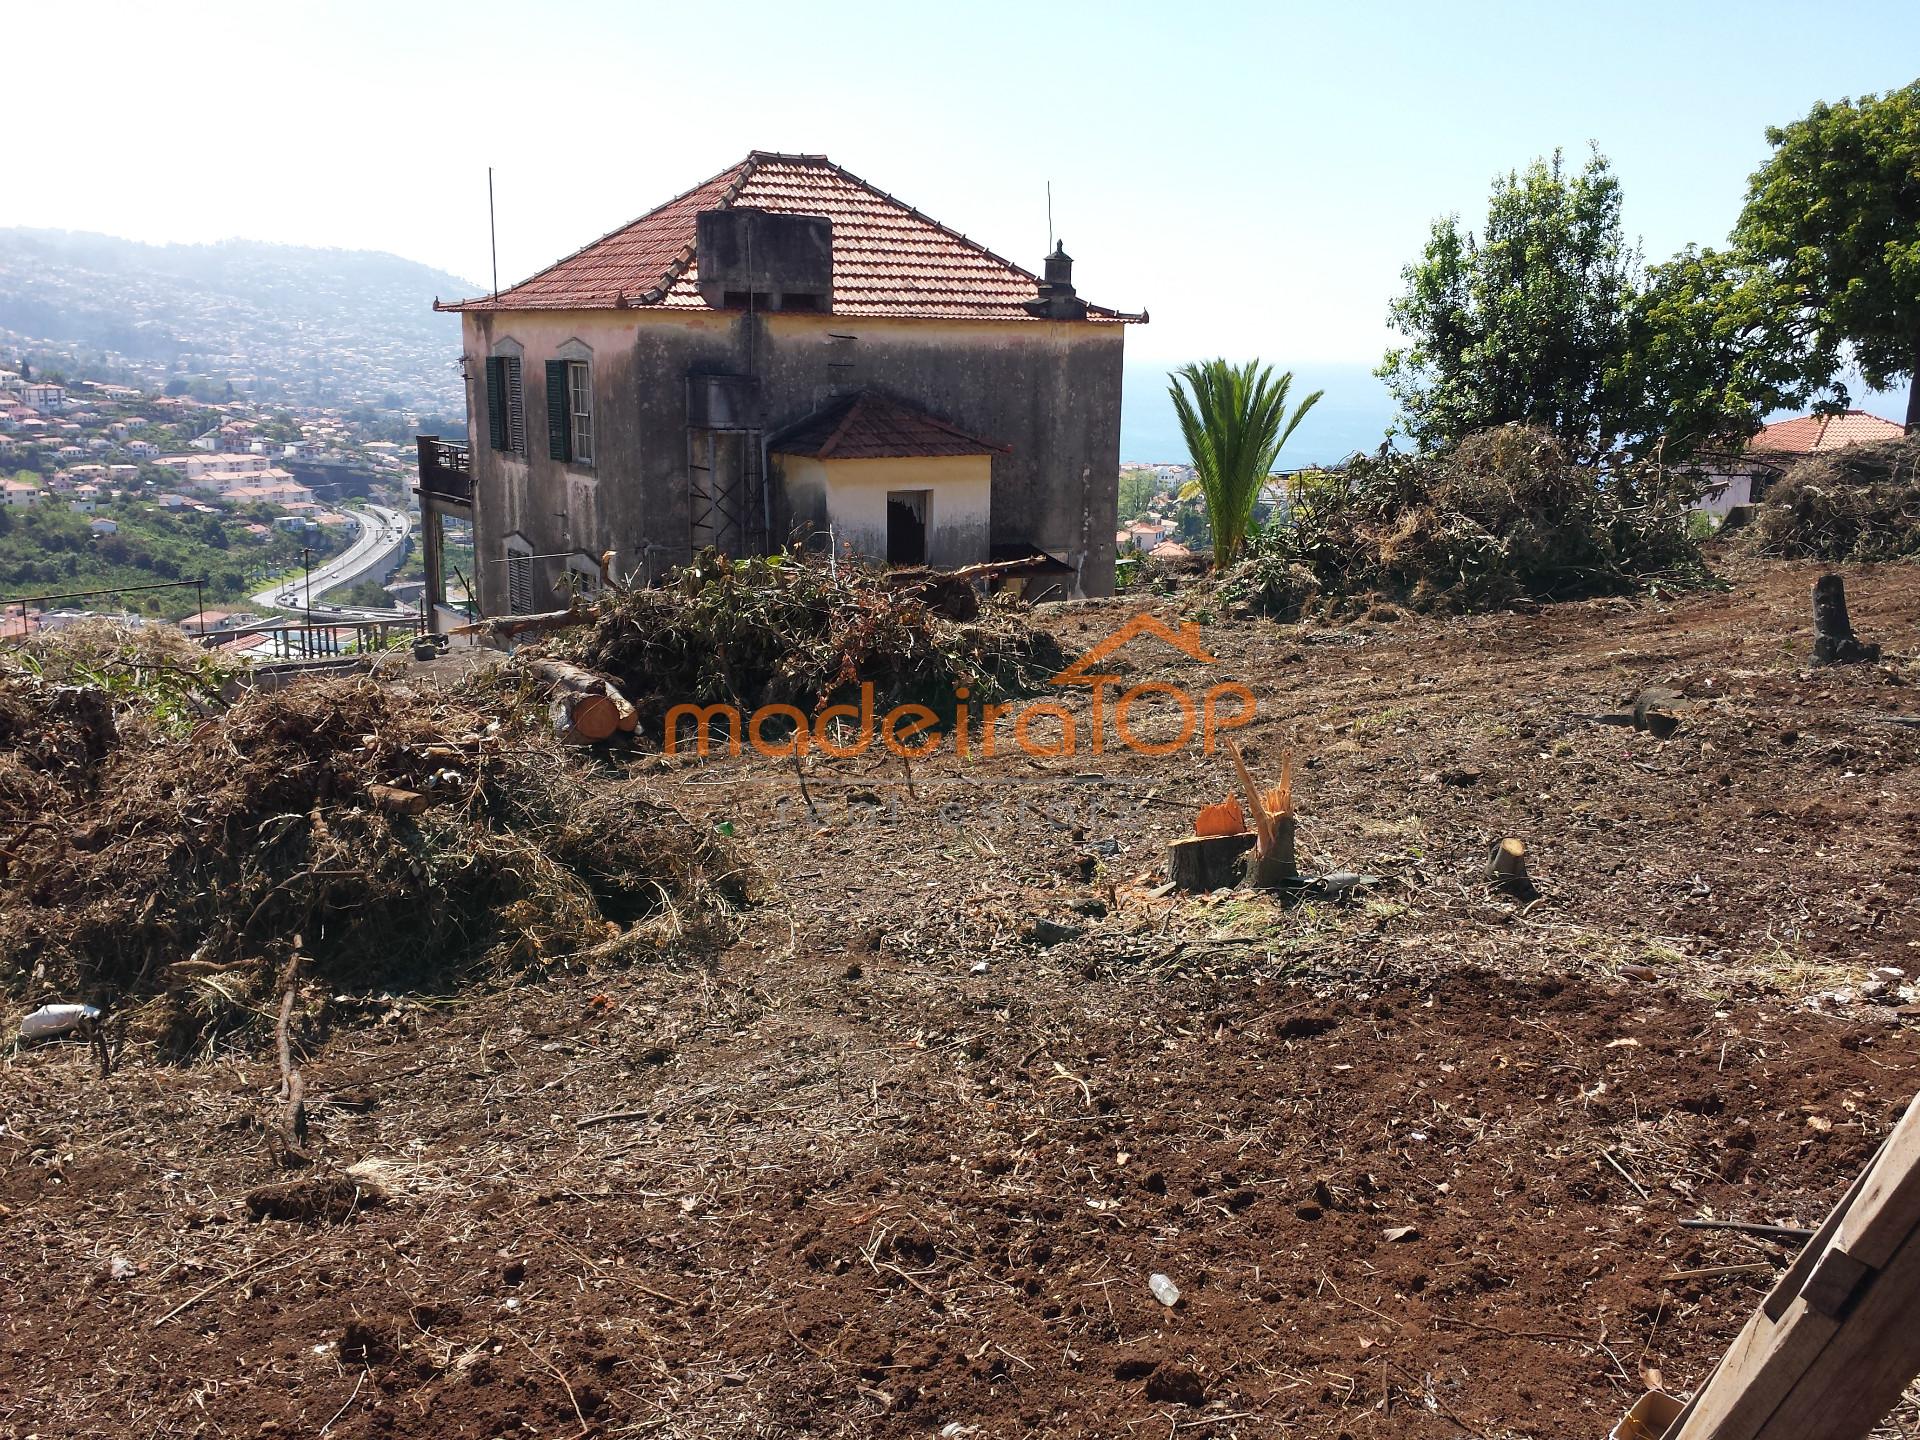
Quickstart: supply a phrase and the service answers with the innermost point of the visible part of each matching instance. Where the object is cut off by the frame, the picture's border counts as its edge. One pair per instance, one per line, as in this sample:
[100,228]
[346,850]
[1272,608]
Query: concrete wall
[1050,389]
[851,495]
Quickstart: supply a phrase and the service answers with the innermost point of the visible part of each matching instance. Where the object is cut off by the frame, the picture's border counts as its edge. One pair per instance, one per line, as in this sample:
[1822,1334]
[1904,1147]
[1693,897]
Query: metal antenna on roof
[1049,217]
[493,235]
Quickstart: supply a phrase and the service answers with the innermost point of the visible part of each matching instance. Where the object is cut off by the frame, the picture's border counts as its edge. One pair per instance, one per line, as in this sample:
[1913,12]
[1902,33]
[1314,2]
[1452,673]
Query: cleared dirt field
[902,1159]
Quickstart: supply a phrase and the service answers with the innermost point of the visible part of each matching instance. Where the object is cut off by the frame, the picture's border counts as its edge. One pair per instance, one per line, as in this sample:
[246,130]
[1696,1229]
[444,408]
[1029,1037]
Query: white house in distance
[1740,480]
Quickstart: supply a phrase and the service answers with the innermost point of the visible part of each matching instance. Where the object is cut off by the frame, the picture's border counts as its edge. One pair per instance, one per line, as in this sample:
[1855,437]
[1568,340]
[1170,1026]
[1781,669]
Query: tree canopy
[1834,217]
[1523,321]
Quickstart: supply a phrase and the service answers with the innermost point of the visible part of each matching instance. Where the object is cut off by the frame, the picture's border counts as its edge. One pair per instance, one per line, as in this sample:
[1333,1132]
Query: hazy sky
[1253,174]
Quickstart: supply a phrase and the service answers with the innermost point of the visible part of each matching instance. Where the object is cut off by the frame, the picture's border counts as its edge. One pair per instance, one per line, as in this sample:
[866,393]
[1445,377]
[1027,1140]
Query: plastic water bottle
[1164,1290]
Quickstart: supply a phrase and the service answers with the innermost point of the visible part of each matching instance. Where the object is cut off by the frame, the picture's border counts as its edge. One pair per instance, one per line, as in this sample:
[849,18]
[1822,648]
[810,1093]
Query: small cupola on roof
[748,258]
[1057,300]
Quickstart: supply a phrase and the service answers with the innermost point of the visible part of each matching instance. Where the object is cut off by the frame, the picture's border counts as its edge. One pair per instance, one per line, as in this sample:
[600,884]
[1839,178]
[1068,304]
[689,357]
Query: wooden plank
[1861,1373]
[1889,1206]
[1838,1334]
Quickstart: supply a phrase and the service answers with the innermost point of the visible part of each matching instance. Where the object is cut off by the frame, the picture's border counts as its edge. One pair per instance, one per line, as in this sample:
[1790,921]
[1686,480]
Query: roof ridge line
[918,214]
[727,199]
[833,441]
[493,296]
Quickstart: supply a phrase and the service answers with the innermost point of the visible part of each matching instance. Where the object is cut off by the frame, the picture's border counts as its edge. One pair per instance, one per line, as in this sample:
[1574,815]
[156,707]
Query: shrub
[1861,503]
[1505,515]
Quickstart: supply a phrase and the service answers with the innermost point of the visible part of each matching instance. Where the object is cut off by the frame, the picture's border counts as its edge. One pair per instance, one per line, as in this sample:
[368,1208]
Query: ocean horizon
[1353,415]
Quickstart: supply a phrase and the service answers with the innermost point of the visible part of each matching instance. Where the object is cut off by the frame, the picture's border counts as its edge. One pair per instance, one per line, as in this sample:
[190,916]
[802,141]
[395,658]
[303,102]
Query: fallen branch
[199,1295]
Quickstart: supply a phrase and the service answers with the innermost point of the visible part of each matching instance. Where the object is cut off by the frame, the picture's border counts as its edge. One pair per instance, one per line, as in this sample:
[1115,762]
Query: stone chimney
[1057,300]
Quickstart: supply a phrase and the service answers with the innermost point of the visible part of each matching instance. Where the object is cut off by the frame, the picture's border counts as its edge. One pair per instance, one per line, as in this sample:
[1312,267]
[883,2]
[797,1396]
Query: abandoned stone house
[784,354]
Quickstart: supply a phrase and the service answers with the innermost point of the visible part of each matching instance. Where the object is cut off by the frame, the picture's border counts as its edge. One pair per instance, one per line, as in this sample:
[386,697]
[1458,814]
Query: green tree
[1524,321]
[1234,419]
[1137,491]
[1834,214]
[1709,350]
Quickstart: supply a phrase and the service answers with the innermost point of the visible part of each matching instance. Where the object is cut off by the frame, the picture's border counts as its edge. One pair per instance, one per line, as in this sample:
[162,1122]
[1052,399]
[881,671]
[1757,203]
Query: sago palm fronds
[1235,421]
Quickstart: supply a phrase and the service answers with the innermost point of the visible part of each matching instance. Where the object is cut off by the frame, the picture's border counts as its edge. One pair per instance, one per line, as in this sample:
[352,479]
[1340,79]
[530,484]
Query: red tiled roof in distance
[1805,434]
[871,426]
[888,258]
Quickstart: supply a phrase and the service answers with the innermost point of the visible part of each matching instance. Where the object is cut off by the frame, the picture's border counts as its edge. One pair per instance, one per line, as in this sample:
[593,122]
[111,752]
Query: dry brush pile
[1505,515]
[162,855]
[791,630]
[1860,503]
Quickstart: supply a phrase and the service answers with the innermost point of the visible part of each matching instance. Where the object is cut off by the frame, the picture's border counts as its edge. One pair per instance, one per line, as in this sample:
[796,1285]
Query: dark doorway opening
[907,527]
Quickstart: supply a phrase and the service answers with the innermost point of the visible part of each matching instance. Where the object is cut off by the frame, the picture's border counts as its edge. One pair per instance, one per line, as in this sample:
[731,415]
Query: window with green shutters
[559,426]
[506,404]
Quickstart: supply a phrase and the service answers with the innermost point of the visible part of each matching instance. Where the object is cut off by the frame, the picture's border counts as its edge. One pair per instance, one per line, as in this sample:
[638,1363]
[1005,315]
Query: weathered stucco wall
[852,496]
[1050,389]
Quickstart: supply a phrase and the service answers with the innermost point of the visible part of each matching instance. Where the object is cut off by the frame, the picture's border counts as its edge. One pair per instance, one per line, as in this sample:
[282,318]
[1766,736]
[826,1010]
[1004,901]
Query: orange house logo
[1153,717]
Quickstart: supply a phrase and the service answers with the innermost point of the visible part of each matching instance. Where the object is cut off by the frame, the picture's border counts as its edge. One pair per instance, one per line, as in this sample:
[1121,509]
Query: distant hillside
[280,321]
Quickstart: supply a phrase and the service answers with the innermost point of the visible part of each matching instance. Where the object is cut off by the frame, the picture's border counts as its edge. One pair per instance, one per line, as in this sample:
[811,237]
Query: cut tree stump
[1208,862]
[1276,869]
[1507,868]
[1834,642]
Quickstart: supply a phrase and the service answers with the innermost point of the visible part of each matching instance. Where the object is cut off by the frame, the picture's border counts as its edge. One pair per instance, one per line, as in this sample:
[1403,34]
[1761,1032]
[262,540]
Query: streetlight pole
[306,555]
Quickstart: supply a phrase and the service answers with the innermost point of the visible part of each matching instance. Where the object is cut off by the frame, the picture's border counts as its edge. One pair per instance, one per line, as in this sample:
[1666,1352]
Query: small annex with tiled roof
[888,259]
[882,477]
[1810,434]
[867,425]
[782,354]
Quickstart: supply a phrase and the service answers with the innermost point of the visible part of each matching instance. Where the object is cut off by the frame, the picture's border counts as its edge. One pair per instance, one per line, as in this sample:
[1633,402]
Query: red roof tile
[888,258]
[871,426]
[1808,433]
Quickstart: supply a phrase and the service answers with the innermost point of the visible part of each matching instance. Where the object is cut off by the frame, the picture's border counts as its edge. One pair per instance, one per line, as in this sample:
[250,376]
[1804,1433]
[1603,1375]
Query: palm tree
[1235,422]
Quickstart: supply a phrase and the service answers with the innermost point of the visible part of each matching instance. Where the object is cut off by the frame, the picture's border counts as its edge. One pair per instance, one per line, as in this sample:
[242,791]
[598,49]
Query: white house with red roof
[1771,452]
[784,353]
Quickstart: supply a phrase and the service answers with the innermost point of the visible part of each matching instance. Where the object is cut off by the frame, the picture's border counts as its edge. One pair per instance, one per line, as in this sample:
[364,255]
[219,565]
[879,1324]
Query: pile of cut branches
[793,630]
[1860,503]
[1505,515]
[408,837]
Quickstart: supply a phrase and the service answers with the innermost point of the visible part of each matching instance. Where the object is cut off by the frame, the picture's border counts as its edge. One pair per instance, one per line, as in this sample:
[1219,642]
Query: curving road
[378,543]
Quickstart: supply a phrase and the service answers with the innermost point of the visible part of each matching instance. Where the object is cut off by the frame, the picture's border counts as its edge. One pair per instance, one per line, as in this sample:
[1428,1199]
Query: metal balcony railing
[446,469]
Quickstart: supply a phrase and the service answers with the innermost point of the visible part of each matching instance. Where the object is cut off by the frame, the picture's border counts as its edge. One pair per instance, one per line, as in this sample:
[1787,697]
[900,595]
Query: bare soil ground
[902,1160]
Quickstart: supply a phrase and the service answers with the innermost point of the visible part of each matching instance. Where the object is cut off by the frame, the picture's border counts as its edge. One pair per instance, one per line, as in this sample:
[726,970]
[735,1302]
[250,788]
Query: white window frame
[580,409]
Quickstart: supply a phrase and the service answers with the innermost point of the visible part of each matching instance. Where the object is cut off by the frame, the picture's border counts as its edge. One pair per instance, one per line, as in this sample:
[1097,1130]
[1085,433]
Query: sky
[1253,175]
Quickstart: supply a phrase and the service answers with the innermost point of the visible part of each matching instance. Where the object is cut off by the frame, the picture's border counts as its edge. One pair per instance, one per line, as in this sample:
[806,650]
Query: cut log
[1834,642]
[396,801]
[1507,869]
[583,719]
[1207,862]
[569,679]
[506,627]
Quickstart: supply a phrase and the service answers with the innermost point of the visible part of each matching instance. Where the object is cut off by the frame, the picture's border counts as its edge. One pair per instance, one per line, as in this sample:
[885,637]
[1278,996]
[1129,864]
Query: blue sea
[1352,415]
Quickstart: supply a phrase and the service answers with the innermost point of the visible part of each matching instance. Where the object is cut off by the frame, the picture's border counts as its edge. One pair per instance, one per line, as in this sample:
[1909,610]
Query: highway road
[383,535]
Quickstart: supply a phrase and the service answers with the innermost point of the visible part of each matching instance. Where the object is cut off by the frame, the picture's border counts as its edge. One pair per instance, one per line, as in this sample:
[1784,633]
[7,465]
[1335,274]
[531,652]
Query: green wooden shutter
[559,420]
[497,427]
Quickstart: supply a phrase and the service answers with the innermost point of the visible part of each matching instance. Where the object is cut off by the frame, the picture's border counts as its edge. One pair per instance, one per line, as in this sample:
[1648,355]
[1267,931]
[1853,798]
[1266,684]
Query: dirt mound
[406,836]
[1861,503]
[798,631]
[1505,515]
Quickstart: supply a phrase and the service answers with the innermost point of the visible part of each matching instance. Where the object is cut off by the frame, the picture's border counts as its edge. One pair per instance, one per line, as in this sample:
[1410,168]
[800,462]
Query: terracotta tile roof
[1808,433]
[870,426]
[888,258]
